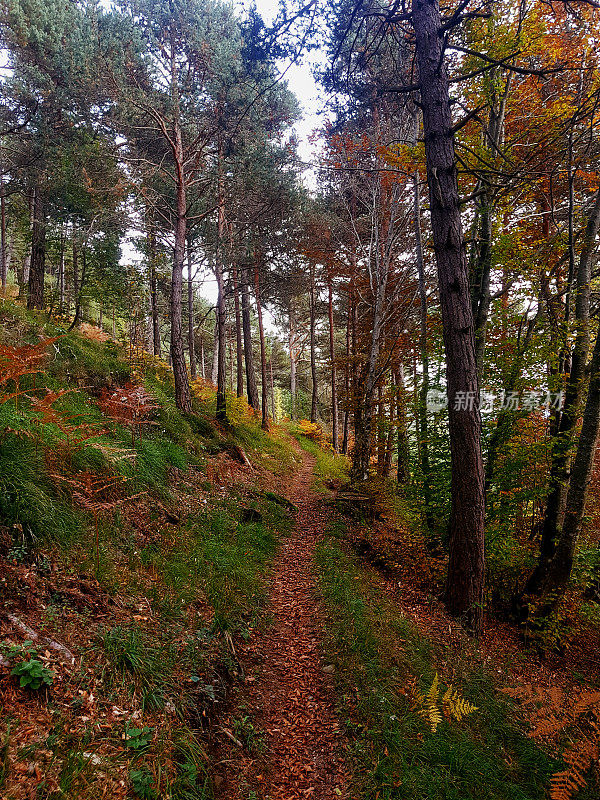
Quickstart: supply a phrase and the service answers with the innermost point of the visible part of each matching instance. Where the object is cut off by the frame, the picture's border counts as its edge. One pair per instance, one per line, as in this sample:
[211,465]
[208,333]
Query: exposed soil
[285,711]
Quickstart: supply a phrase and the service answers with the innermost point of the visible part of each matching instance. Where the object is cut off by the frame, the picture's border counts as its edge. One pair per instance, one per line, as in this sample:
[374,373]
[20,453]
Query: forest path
[285,711]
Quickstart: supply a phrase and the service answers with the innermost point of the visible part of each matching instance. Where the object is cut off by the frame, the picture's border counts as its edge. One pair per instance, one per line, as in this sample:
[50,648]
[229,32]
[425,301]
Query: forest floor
[240,623]
[284,712]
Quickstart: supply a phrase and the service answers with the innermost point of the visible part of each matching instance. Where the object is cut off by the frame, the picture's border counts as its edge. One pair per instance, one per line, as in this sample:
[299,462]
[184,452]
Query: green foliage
[484,757]
[329,466]
[32,674]
[138,739]
[224,558]
[142,783]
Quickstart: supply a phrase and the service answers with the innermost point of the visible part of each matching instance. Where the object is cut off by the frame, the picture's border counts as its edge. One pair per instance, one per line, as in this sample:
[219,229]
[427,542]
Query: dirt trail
[287,696]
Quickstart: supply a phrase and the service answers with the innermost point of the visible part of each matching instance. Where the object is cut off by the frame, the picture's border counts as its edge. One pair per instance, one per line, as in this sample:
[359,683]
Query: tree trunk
[202,360]
[183,398]
[221,310]
[313,358]
[190,309]
[151,239]
[403,467]
[552,576]
[292,346]
[239,353]
[61,273]
[248,351]
[347,384]
[334,403]
[263,355]
[423,422]
[35,296]
[464,590]
[3,259]
[561,450]
[272,386]
[215,355]
[80,284]
[391,432]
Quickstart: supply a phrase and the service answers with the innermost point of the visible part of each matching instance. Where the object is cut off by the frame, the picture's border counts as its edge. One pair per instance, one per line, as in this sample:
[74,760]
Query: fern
[452,705]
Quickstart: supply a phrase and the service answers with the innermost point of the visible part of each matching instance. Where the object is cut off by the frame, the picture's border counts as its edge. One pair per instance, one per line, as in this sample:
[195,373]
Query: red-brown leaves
[129,405]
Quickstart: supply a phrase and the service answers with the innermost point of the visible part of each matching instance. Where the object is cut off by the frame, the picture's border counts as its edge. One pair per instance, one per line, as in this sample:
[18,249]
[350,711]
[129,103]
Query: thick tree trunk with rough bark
[464,589]
[221,311]
[37,266]
[183,398]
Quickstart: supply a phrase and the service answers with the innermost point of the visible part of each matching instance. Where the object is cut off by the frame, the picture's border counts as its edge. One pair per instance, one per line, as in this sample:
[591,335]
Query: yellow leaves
[311,430]
[433,710]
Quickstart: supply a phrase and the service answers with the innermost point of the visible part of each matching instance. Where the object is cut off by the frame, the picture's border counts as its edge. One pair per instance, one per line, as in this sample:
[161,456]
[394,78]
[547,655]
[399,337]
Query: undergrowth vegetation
[132,537]
[383,666]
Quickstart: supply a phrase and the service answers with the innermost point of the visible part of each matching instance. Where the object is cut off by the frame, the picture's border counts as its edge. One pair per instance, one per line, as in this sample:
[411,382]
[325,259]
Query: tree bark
[61,273]
[423,421]
[151,239]
[347,382]
[464,589]
[37,269]
[334,403]
[3,259]
[561,451]
[292,346]
[183,398]
[313,358]
[239,352]
[272,386]
[263,355]
[557,571]
[403,466]
[253,401]
[221,311]
[80,283]
[190,304]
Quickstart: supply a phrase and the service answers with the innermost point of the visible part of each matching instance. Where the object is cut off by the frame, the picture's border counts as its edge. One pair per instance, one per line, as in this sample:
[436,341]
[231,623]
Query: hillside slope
[134,550]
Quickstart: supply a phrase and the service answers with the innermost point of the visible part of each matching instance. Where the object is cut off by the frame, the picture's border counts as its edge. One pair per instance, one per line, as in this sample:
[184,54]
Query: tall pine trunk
[561,451]
[313,357]
[334,402]
[464,588]
[248,350]
[183,399]
[221,312]
[37,267]
[190,303]
[263,354]
[239,352]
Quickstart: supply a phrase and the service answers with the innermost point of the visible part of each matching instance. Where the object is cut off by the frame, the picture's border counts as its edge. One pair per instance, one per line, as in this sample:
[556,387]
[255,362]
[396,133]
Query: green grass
[329,466]
[225,558]
[394,753]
